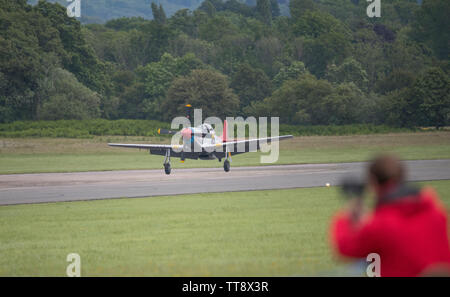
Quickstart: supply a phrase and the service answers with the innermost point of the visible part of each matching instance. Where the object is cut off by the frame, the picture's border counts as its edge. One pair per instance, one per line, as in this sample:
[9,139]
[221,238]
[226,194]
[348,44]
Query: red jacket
[408,230]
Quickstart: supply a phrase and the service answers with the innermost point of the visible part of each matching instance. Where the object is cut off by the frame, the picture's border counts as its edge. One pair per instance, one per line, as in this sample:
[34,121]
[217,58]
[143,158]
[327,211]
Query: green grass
[261,233]
[33,163]
[69,155]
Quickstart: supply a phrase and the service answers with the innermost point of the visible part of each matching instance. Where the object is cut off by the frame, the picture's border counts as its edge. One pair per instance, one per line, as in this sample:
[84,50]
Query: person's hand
[356,209]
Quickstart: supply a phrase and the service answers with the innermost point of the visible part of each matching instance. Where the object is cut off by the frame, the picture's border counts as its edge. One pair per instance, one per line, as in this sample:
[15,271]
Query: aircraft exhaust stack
[166,132]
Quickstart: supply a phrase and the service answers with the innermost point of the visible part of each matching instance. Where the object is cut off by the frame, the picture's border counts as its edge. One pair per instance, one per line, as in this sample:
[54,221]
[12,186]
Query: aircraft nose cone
[186,133]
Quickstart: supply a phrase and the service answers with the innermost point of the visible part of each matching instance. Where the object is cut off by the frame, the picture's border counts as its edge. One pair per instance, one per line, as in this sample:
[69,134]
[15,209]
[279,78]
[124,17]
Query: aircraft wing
[142,146]
[158,149]
[235,147]
[245,146]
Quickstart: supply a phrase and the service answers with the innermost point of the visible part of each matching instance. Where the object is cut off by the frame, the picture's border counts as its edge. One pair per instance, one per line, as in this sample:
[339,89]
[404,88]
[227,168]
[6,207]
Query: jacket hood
[408,200]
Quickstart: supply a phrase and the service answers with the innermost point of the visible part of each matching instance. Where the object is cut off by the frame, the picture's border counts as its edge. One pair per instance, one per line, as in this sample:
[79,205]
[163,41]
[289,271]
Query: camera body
[353,188]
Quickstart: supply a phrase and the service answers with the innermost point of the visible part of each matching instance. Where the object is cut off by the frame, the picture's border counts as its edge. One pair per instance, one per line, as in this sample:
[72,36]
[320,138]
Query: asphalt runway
[59,187]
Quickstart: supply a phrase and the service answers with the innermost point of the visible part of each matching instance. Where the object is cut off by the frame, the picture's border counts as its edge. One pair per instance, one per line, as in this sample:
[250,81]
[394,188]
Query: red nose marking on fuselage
[186,133]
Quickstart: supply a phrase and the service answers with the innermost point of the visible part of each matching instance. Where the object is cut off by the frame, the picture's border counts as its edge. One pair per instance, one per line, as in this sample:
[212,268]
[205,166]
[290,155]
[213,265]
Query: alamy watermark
[207,141]
[374,9]
[74,268]
[74,8]
[374,268]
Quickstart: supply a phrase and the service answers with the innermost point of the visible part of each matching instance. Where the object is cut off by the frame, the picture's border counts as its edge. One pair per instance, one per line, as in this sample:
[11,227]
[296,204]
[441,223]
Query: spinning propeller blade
[188,111]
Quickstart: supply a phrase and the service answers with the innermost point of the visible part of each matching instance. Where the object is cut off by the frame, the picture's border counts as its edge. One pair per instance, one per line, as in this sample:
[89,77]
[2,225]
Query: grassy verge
[32,155]
[261,233]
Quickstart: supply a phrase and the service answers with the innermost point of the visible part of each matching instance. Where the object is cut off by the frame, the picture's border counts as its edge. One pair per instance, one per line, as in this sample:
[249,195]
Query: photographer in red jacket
[407,229]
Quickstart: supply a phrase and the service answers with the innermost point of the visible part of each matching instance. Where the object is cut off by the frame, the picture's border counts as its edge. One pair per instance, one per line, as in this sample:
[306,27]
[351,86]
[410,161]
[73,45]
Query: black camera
[353,188]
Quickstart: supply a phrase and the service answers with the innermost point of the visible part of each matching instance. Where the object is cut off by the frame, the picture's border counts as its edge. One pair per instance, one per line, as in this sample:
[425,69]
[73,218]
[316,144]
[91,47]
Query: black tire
[167,168]
[226,165]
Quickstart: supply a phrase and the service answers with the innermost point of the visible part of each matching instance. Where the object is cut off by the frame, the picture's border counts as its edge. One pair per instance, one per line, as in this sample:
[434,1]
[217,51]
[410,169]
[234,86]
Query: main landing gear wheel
[226,165]
[167,168]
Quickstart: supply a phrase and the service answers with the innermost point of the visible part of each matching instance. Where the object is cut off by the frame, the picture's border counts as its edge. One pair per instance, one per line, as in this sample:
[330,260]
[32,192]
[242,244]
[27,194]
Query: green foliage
[309,101]
[263,8]
[77,57]
[299,7]
[123,24]
[397,80]
[66,98]
[431,93]
[156,79]
[129,43]
[326,40]
[158,13]
[250,84]
[328,63]
[213,6]
[274,8]
[216,28]
[315,23]
[327,49]
[208,7]
[205,89]
[426,102]
[159,75]
[81,129]
[431,26]
[339,130]
[350,71]
[293,71]
[101,11]
[36,41]
[101,127]
[184,21]
[406,55]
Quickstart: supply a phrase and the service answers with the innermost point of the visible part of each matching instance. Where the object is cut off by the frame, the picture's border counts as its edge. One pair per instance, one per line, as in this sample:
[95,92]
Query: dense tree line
[325,64]
[101,11]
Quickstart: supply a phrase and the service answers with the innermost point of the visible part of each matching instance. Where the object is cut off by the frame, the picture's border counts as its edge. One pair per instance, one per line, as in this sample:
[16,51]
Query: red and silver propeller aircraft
[202,143]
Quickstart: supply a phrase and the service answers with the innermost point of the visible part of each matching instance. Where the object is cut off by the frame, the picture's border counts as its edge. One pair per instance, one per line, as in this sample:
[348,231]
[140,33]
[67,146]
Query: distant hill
[100,11]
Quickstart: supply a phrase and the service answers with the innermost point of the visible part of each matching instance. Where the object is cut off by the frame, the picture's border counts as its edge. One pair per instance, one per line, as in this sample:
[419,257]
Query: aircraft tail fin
[225,130]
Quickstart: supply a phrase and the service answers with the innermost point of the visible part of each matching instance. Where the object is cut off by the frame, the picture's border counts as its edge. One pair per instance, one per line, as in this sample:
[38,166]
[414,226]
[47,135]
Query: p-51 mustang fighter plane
[202,143]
